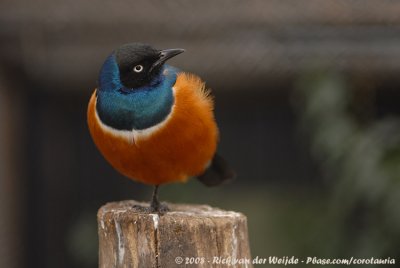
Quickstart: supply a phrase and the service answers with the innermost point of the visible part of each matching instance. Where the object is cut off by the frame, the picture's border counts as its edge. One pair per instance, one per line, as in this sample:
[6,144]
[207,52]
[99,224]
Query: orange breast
[180,148]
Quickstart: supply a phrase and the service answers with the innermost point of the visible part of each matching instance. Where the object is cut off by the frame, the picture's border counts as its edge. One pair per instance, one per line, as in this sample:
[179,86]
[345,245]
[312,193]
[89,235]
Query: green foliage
[361,164]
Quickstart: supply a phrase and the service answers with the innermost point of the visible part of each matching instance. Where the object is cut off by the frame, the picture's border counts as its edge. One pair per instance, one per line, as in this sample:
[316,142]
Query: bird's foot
[160,208]
[155,206]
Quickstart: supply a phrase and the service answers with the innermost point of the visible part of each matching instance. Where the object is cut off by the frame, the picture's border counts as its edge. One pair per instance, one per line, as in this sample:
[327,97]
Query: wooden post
[186,236]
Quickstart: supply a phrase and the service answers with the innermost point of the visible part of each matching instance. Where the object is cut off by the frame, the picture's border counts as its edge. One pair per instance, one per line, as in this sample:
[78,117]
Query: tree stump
[186,236]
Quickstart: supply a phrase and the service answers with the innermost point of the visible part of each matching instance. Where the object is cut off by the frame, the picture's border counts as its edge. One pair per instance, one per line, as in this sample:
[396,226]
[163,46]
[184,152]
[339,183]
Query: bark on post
[187,236]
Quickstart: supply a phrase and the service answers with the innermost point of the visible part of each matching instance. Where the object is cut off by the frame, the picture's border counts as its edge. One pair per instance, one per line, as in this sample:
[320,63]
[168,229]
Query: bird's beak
[165,55]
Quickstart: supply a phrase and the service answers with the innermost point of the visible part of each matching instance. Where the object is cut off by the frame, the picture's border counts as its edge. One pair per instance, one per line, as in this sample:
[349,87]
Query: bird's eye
[138,68]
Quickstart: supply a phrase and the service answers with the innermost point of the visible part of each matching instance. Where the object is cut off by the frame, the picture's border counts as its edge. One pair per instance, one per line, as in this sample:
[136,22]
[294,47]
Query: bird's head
[135,65]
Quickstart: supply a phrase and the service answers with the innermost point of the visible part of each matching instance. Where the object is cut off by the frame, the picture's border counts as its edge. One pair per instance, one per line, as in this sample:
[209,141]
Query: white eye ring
[138,68]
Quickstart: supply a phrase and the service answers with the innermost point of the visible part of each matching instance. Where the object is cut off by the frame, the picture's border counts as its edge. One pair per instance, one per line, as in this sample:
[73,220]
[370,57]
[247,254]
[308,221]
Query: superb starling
[154,123]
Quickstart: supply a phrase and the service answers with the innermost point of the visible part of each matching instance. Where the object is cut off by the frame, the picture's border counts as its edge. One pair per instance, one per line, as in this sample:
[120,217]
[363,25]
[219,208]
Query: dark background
[307,100]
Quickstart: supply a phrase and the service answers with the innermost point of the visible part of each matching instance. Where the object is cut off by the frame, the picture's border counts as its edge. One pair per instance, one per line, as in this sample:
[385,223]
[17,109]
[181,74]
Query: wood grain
[132,238]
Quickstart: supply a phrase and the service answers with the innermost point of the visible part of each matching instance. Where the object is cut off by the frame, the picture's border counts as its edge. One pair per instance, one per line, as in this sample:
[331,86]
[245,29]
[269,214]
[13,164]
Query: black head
[139,64]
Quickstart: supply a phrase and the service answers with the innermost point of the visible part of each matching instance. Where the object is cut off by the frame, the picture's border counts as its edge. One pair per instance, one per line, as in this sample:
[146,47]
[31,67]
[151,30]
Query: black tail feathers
[217,173]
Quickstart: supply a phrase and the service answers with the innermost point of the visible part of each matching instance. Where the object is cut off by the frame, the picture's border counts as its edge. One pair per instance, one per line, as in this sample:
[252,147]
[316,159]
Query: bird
[154,123]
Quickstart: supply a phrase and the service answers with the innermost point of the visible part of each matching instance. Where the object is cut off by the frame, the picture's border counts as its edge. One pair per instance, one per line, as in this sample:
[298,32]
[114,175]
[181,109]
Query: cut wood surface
[186,236]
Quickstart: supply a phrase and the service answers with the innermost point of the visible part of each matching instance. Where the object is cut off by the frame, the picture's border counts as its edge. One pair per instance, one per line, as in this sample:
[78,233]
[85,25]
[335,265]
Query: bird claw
[161,208]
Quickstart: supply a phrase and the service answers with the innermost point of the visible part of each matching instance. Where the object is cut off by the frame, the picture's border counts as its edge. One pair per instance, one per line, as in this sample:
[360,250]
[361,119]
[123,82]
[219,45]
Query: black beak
[165,55]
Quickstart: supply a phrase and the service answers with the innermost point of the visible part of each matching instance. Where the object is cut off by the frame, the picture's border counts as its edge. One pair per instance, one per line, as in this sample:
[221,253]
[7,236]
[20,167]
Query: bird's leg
[155,205]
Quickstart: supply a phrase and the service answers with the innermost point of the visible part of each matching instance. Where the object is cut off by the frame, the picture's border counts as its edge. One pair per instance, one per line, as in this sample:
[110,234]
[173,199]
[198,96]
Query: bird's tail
[219,172]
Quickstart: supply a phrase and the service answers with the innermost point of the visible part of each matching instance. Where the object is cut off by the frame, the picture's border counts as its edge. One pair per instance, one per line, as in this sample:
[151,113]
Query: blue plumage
[125,108]
[137,91]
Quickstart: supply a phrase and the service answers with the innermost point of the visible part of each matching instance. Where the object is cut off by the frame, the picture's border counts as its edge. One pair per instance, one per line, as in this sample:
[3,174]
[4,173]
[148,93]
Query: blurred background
[307,100]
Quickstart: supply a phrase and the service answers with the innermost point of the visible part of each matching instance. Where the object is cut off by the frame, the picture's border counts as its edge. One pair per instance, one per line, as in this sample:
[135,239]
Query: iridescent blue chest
[140,108]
